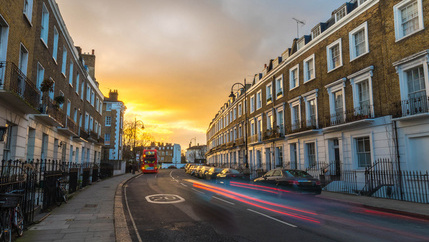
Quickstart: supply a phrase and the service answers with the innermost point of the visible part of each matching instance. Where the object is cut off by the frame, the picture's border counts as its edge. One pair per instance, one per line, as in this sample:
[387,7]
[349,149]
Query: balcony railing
[239,141]
[302,125]
[350,115]
[47,107]
[14,81]
[84,134]
[411,106]
[272,134]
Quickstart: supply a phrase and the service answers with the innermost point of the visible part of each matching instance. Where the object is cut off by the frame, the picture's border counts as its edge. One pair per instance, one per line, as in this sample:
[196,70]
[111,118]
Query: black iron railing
[350,115]
[12,79]
[411,106]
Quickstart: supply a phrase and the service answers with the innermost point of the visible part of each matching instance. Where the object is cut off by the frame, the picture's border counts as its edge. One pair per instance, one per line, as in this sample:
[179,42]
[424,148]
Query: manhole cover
[164,198]
[90,205]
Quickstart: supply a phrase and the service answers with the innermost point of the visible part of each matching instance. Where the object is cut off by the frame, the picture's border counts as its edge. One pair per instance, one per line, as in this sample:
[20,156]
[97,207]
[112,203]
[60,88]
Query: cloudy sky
[174,61]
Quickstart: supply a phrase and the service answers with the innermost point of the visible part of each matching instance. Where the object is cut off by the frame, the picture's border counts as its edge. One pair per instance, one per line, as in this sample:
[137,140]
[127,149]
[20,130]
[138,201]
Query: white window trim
[296,67]
[397,17]
[64,63]
[306,161]
[293,103]
[267,115]
[55,45]
[333,87]
[352,42]
[329,57]
[252,103]
[304,64]
[282,84]
[355,161]
[356,78]
[260,94]
[338,10]
[45,26]
[312,95]
[29,13]
[271,94]
[24,58]
[402,66]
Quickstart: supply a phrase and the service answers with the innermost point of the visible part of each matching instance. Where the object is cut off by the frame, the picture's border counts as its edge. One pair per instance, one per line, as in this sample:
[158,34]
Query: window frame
[357,78]
[44,32]
[355,156]
[28,11]
[308,97]
[291,70]
[329,55]
[296,102]
[352,46]
[269,93]
[259,100]
[397,18]
[279,91]
[305,68]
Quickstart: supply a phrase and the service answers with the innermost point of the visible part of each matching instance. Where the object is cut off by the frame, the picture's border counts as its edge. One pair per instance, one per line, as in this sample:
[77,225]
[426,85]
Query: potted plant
[58,101]
[45,87]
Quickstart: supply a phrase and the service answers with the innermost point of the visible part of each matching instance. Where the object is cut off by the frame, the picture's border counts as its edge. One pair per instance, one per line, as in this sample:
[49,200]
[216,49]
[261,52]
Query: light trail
[215,189]
[226,194]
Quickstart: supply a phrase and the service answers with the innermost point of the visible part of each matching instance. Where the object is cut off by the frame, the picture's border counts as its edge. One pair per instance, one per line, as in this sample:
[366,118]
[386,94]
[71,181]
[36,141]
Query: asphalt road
[173,206]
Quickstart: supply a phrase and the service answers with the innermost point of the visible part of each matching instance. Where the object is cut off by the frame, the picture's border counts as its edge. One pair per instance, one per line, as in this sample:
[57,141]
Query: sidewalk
[417,210]
[88,216]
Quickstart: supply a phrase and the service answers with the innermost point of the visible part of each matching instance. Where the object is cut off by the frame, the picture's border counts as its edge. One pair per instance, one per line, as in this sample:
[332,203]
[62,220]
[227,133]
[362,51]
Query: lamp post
[136,122]
[245,117]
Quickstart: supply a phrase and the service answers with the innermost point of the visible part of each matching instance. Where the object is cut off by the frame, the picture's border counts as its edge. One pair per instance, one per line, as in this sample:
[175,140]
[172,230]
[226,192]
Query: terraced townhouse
[340,99]
[50,101]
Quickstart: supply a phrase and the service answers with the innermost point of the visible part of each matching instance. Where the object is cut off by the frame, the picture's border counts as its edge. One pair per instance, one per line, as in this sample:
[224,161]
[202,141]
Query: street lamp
[232,95]
[140,123]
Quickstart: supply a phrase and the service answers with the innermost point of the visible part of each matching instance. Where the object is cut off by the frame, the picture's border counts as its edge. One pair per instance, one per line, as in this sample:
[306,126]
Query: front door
[336,149]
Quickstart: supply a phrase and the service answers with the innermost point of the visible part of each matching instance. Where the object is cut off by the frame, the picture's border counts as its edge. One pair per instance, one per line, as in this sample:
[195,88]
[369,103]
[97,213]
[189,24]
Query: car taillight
[295,182]
[318,183]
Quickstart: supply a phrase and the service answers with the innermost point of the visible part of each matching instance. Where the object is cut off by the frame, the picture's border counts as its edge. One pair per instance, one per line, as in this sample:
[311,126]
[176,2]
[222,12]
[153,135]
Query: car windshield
[298,173]
[234,171]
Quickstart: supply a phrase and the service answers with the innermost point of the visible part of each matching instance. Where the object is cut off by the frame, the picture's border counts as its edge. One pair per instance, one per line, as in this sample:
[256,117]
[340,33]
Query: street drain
[90,205]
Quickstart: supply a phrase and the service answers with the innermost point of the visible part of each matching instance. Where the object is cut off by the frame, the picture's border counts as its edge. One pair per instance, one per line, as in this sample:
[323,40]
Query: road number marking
[164,198]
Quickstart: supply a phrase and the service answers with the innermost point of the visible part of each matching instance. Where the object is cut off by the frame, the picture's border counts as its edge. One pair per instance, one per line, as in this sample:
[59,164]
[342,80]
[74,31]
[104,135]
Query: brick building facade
[50,103]
[349,93]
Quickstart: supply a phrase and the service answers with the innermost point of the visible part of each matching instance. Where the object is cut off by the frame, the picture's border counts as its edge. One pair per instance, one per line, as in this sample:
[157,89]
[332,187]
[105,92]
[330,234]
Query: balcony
[230,144]
[411,108]
[239,141]
[93,136]
[255,138]
[352,117]
[70,128]
[84,134]
[272,134]
[50,114]
[17,90]
[303,127]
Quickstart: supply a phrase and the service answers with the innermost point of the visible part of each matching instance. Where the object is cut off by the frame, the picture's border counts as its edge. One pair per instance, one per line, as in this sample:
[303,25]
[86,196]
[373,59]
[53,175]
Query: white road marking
[131,216]
[224,200]
[184,185]
[278,220]
[198,191]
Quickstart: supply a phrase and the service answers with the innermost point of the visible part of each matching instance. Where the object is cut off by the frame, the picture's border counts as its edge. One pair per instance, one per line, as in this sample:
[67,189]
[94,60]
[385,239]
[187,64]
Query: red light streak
[253,185]
[204,187]
[252,198]
[259,189]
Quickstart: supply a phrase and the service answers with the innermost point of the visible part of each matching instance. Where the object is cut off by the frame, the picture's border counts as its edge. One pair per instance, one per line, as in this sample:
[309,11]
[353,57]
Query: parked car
[297,180]
[202,171]
[212,173]
[187,167]
[228,174]
[195,172]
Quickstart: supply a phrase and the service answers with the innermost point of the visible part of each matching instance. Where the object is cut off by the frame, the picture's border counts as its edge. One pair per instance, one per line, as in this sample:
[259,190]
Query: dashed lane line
[278,220]
[225,201]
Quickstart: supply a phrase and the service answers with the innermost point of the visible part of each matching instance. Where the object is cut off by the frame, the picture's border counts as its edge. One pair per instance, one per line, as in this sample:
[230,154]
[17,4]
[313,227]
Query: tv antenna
[297,25]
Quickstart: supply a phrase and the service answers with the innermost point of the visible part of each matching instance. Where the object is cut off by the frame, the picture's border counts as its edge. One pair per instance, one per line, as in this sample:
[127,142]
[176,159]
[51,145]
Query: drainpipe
[398,157]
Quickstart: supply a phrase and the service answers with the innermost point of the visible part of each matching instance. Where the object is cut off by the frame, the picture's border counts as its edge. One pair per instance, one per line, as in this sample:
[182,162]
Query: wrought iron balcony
[50,114]
[349,116]
[17,90]
[302,125]
[411,106]
[272,134]
[70,128]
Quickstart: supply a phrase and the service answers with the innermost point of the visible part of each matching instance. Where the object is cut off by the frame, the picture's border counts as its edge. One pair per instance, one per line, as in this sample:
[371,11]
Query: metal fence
[39,180]
[383,179]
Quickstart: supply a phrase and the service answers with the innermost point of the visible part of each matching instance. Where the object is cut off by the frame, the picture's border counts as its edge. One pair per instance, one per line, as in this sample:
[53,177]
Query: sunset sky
[173,62]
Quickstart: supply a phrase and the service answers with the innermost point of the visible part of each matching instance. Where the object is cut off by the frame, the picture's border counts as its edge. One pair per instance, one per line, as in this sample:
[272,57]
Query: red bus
[149,161]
